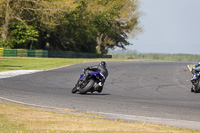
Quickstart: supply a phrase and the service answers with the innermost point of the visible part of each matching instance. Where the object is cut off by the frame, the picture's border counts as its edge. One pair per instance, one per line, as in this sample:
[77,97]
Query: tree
[114,25]
[38,14]
[77,32]
[22,35]
[75,25]
[97,25]
[5,18]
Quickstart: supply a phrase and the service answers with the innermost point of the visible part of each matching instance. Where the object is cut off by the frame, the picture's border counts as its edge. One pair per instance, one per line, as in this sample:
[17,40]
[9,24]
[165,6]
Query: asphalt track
[137,91]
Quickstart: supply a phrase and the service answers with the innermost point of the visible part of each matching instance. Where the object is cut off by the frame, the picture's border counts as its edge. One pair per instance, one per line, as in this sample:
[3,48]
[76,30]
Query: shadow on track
[98,94]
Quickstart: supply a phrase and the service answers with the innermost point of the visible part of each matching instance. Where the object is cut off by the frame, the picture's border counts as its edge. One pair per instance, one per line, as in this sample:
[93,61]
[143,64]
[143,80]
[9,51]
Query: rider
[195,72]
[101,67]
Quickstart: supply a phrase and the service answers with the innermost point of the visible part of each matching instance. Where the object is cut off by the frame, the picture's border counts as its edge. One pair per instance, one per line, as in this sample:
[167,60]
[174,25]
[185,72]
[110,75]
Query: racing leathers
[103,71]
[195,72]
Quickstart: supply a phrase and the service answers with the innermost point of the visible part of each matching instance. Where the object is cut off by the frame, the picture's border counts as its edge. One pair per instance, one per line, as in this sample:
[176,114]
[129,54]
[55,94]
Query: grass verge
[20,63]
[21,119]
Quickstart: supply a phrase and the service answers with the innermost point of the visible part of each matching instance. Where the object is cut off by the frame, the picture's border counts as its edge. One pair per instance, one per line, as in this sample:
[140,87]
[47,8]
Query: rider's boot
[97,85]
[100,89]
[192,89]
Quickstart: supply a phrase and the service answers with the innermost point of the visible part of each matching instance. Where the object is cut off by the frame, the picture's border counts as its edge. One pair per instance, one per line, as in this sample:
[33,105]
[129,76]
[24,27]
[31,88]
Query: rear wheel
[88,85]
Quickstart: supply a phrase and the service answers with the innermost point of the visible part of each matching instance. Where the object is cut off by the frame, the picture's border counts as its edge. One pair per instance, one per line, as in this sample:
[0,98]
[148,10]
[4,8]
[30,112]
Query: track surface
[149,89]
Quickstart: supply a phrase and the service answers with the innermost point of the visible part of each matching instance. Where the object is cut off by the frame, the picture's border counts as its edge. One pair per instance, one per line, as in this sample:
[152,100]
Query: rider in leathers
[195,73]
[104,72]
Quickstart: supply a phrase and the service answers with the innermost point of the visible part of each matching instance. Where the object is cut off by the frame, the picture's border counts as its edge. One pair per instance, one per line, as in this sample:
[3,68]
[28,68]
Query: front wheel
[197,87]
[87,87]
[74,90]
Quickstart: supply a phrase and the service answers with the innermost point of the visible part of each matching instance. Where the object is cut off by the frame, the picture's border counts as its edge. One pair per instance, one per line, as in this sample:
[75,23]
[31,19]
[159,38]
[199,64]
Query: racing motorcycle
[196,84]
[89,82]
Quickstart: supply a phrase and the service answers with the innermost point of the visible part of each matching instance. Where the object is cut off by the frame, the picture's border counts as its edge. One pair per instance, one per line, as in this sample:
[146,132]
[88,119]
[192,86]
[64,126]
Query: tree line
[74,25]
[133,54]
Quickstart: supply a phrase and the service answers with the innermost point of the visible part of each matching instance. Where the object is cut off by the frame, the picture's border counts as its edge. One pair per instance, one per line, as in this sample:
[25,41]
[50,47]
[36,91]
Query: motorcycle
[196,84]
[89,82]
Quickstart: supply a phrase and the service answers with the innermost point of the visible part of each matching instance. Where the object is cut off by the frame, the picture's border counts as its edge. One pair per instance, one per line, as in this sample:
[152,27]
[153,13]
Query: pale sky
[170,26]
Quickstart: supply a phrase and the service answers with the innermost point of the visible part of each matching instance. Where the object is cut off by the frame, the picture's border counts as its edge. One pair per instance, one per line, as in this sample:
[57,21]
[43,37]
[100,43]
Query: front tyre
[197,87]
[87,87]
[74,90]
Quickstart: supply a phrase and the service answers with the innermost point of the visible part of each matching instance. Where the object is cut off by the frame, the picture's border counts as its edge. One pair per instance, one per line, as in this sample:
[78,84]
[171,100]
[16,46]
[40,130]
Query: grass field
[16,63]
[7,64]
[21,119]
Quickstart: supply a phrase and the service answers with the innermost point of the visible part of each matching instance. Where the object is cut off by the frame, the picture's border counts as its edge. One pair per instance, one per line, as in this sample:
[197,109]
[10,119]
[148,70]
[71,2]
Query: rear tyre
[87,87]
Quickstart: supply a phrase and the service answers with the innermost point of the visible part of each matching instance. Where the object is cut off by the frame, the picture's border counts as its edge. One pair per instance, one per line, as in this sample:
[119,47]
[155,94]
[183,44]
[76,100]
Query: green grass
[7,64]
[27,63]
[21,119]
[7,125]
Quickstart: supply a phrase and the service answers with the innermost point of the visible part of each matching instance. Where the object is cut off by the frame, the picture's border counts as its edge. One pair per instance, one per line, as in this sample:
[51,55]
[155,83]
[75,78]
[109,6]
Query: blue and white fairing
[97,76]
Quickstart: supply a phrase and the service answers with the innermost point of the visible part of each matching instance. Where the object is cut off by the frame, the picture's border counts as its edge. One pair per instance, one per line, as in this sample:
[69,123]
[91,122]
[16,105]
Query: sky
[169,26]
